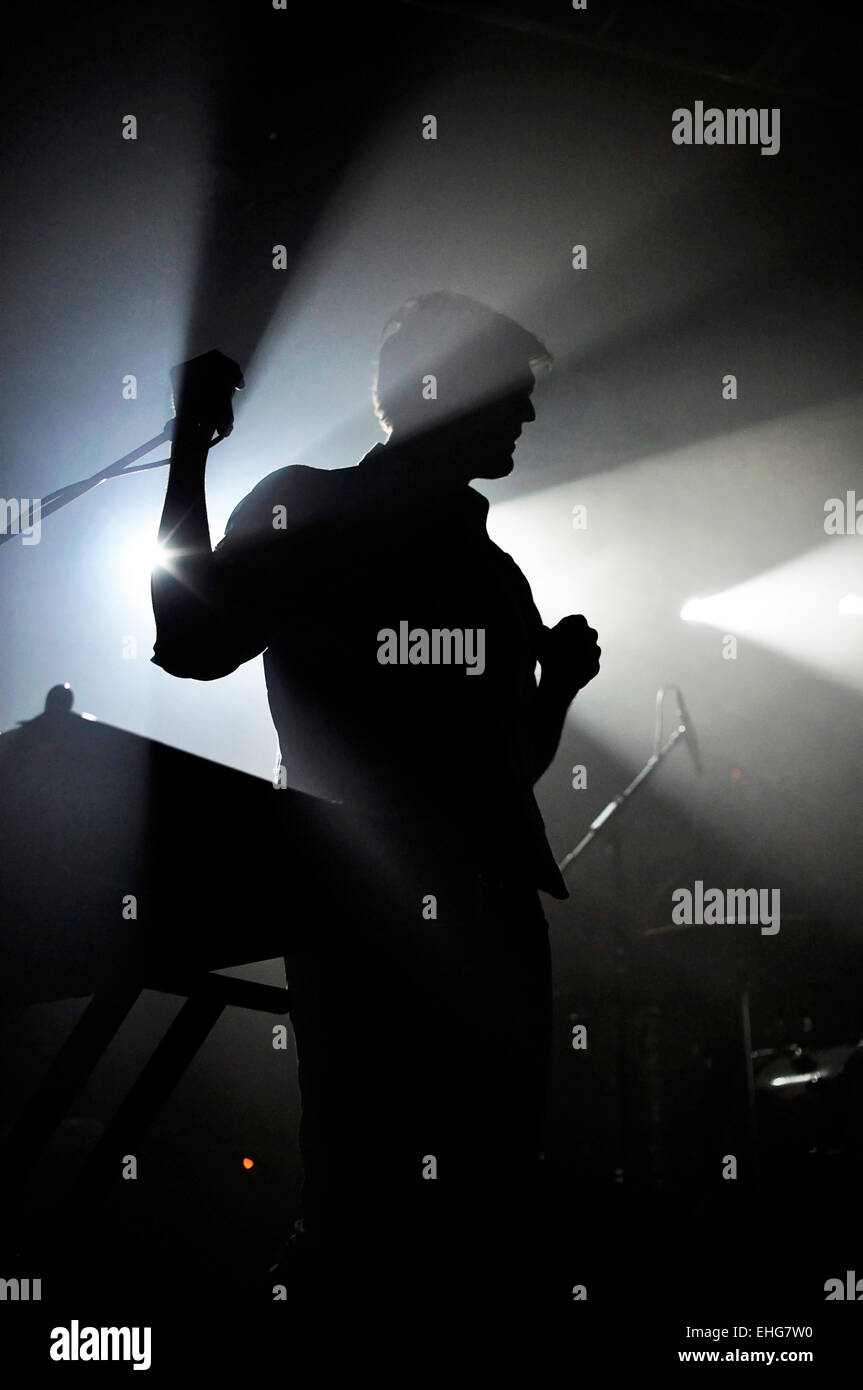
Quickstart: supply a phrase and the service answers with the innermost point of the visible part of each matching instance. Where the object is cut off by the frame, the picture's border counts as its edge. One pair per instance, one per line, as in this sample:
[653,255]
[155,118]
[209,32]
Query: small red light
[248,1163]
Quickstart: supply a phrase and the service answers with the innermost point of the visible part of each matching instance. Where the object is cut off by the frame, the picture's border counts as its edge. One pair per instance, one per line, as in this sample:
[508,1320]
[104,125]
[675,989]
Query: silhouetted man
[400,651]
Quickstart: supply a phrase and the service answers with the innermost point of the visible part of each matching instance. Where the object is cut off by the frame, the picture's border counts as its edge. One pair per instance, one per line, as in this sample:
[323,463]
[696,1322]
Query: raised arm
[200,631]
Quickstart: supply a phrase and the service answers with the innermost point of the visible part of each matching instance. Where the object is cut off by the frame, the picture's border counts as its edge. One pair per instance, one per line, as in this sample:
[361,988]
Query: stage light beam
[797,609]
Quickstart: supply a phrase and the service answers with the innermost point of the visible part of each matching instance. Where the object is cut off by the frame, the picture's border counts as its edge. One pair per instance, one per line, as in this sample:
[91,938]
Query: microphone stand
[608,821]
[64,495]
[604,818]
[207,383]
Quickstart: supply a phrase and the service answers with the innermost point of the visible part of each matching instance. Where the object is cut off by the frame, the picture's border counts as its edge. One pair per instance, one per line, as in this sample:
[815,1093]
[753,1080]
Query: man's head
[453,384]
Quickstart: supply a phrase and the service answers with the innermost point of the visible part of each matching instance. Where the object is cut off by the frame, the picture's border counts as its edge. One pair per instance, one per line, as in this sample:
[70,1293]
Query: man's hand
[203,389]
[569,655]
[569,658]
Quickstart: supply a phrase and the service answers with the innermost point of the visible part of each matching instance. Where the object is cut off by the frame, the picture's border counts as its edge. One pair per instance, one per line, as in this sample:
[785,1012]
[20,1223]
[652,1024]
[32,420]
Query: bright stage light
[693,610]
[139,555]
[851,606]
[750,606]
[797,610]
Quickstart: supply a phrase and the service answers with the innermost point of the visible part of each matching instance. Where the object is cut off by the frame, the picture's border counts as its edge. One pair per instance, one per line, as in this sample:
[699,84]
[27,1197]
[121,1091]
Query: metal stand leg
[67,1074]
[150,1092]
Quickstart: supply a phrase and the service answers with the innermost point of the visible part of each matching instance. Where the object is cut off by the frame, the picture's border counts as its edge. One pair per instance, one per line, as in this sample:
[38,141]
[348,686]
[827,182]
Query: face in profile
[479,440]
[490,432]
[453,385]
